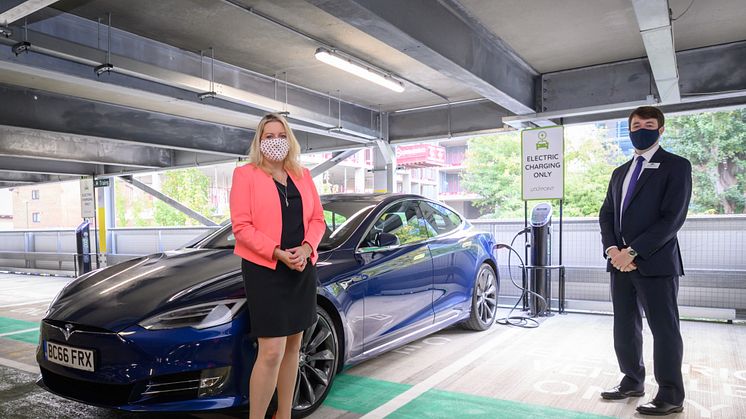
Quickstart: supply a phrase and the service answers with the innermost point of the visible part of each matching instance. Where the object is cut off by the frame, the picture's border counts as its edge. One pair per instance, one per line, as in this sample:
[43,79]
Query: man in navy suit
[645,206]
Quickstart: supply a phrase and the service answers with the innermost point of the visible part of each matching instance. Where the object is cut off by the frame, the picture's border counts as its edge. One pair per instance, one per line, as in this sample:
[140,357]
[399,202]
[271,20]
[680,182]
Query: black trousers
[631,293]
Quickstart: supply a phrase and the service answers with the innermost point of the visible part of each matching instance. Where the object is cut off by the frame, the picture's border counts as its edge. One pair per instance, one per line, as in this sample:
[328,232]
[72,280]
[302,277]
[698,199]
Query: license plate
[81,359]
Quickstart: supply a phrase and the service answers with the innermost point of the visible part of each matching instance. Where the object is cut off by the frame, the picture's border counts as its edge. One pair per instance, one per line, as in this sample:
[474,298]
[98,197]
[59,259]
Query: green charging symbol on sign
[542,143]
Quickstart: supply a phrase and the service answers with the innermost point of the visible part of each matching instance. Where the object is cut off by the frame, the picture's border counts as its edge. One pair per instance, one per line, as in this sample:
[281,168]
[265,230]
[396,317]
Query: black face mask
[643,139]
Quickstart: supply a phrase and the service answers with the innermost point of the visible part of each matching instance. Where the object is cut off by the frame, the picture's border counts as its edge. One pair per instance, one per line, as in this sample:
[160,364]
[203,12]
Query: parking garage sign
[87,206]
[543,163]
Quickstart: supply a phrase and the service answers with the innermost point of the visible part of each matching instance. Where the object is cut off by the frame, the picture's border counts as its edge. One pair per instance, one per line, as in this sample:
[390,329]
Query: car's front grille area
[172,387]
[91,392]
[77,327]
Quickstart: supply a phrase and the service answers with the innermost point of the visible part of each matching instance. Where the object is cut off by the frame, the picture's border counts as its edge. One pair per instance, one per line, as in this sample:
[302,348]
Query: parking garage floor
[554,371]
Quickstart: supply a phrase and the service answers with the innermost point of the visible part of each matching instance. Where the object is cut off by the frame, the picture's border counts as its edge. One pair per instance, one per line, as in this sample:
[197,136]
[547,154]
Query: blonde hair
[292,161]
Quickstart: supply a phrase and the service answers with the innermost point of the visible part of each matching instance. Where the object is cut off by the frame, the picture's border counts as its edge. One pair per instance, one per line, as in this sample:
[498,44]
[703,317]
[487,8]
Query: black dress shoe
[617,393]
[659,408]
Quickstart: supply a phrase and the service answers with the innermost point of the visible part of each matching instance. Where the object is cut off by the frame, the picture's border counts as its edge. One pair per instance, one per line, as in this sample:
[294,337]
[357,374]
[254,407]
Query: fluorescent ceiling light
[350,65]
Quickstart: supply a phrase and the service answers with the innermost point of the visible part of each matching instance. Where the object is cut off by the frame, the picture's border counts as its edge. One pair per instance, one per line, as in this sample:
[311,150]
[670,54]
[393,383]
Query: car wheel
[319,357]
[483,300]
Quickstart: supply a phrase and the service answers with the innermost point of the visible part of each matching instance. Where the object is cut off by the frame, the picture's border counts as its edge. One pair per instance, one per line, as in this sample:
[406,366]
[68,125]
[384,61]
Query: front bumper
[141,370]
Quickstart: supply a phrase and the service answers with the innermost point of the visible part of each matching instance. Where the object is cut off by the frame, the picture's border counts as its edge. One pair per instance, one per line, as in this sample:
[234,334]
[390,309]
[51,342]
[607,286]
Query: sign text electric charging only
[543,163]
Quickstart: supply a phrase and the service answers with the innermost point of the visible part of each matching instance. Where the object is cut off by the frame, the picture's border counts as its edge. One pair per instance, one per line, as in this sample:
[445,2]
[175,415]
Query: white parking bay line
[18,331]
[437,378]
[19,365]
[26,303]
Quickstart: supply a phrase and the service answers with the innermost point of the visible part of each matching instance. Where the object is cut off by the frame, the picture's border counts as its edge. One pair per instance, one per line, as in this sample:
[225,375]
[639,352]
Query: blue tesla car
[170,331]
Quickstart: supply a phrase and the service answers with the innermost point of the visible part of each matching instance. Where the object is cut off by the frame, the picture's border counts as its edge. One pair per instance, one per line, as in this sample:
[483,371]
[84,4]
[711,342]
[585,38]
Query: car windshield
[342,218]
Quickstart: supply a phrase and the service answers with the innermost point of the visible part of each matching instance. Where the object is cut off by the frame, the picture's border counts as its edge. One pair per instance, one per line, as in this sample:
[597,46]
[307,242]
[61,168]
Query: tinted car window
[439,219]
[342,218]
[402,220]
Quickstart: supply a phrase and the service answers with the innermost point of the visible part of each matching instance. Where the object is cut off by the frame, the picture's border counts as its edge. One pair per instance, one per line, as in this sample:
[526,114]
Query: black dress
[282,302]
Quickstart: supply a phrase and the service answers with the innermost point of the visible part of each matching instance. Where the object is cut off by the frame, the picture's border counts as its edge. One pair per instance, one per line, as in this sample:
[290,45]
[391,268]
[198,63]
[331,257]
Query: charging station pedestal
[537,276]
[541,256]
[83,245]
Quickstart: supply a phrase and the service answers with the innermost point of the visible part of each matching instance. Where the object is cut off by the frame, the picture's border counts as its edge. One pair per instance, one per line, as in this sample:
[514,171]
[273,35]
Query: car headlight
[199,316]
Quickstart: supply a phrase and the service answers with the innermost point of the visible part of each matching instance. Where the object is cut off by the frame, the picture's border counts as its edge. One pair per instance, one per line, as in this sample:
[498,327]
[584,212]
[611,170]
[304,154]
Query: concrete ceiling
[560,35]
[468,66]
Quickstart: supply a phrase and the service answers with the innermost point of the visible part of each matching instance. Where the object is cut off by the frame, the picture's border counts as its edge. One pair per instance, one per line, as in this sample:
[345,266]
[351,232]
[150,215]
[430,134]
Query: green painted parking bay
[20,330]
[363,395]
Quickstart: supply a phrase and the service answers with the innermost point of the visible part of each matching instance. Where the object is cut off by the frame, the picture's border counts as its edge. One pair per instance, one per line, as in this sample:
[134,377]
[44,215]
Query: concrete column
[359,180]
[384,168]
[406,183]
[384,160]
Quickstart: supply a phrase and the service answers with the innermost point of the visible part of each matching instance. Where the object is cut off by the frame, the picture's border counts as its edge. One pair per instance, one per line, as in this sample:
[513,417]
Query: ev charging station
[83,246]
[540,249]
[543,169]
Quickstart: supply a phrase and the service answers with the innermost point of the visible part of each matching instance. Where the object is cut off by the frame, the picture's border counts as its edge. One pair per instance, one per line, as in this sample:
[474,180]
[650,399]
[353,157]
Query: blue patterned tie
[632,183]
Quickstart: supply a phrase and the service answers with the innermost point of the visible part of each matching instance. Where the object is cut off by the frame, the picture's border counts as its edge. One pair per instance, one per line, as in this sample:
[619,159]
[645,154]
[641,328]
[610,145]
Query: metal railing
[54,250]
[713,249]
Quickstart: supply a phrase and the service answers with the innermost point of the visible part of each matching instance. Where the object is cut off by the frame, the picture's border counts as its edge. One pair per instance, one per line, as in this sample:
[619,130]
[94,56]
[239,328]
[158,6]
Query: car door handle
[353,279]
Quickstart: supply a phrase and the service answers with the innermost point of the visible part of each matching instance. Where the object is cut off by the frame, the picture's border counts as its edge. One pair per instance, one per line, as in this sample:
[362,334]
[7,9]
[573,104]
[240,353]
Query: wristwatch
[632,252]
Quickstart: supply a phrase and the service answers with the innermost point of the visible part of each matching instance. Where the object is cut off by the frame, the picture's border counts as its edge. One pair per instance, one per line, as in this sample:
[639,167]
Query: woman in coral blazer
[278,223]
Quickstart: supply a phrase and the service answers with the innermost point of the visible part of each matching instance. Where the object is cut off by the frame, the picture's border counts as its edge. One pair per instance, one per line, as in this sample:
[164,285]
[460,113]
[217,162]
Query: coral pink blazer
[257,216]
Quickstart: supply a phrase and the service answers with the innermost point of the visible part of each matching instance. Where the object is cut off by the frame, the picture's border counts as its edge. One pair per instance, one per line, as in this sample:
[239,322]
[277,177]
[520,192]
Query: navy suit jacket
[656,212]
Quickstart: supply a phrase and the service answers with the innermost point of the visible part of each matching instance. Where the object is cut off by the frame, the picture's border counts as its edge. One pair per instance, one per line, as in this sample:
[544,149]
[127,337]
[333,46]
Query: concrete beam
[31,108]
[335,160]
[49,167]
[4,185]
[170,201]
[684,107]
[458,120]
[469,54]
[73,38]
[38,144]
[18,11]
[657,36]
[28,178]
[78,81]
[711,76]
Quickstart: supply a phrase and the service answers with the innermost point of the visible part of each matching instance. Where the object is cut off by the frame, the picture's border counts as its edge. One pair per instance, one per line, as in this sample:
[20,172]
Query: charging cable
[519,321]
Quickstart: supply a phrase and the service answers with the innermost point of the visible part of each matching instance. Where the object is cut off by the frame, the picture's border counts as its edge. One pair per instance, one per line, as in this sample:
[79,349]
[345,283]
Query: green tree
[130,206]
[190,187]
[120,203]
[492,170]
[589,161]
[715,143]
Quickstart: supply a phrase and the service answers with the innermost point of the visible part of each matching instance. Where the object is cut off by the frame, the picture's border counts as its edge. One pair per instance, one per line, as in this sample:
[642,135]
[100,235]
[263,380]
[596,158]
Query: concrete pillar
[384,160]
[406,182]
[384,168]
[359,180]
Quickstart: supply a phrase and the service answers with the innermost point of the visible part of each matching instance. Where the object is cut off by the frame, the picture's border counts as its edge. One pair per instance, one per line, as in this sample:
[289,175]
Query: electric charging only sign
[543,163]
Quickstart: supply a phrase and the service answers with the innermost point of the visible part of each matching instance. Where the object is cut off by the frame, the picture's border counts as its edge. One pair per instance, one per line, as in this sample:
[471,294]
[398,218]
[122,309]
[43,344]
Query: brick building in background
[46,205]
[429,169]
[6,209]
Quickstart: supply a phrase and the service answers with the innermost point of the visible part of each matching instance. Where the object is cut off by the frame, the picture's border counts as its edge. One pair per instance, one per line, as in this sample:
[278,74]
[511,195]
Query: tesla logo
[68,331]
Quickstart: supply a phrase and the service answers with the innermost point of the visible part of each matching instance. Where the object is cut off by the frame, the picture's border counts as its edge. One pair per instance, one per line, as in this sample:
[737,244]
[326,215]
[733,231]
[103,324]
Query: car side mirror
[386,240]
